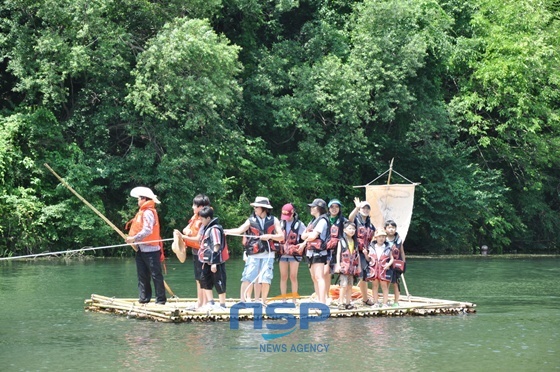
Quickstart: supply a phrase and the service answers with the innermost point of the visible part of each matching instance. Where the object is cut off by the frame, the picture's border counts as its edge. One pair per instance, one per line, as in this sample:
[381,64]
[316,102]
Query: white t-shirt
[321,228]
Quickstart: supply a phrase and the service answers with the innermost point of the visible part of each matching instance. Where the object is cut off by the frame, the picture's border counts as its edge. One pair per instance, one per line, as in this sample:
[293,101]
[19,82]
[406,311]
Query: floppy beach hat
[379,232]
[145,192]
[178,246]
[261,201]
[318,203]
[335,201]
[287,211]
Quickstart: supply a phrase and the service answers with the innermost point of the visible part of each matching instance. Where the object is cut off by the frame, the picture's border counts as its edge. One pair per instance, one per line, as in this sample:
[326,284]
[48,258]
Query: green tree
[186,93]
[507,103]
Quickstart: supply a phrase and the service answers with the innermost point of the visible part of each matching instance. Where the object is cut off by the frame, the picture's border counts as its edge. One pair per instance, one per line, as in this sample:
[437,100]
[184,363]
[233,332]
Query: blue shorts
[286,258]
[258,267]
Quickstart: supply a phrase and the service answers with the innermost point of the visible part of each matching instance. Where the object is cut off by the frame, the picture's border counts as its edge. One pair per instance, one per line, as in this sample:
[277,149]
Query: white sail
[391,202]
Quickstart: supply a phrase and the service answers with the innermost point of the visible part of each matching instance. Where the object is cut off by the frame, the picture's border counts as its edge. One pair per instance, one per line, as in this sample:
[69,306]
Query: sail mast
[390,171]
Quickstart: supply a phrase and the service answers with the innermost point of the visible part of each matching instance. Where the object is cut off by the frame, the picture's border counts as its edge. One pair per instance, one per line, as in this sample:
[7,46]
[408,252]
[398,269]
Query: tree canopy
[287,99]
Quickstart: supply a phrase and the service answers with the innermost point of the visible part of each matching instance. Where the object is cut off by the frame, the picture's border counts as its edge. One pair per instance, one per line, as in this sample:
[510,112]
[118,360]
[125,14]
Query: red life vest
[398,263]
[335,232]
[364,231]
[375,270]
[291,245]
[318,244]
[349,262]
[212,234]
[252,243]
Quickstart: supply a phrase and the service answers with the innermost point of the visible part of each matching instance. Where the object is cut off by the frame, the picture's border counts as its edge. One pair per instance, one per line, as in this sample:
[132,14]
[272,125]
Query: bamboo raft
[181,310]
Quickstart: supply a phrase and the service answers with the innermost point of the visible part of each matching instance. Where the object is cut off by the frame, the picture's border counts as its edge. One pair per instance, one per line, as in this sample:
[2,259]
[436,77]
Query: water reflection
[517,325]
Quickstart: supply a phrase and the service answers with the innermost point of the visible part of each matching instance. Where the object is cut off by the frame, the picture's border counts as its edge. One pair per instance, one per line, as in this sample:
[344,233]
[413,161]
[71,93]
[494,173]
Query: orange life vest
[194,224]
[137,223]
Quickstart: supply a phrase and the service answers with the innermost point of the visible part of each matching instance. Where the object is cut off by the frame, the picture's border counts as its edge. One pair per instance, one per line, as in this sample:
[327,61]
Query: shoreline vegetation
[289,100]
[77,256]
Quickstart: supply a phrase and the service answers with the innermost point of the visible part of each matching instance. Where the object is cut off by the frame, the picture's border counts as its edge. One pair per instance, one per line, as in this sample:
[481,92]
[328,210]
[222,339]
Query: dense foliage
[282,98]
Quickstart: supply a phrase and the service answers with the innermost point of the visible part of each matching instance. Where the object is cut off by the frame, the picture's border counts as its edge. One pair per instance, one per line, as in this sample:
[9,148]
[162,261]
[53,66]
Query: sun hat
[379,232]
[178,246]
[287,211]
[145,192]
[335,201]
[261,201]
[318,203]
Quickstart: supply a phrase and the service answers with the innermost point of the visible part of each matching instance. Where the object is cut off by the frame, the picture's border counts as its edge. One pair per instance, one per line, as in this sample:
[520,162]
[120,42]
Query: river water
[43,325]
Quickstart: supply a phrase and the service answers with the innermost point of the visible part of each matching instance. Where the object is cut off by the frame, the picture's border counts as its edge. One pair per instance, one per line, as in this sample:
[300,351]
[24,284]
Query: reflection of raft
[180,309]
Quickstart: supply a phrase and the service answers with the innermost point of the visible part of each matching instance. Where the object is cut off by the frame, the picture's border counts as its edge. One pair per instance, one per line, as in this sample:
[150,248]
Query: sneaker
[376,306]
[205,308]
[341,307]
[219,307]
[395,304]
[350,307]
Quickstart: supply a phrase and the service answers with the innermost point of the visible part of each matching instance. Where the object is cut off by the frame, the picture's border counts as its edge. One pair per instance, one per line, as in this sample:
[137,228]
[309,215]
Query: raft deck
[179,310]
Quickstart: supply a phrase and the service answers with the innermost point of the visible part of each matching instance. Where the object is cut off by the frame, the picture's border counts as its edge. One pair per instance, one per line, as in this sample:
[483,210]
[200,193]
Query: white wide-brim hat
[261,201]
[145,192]
[178,246]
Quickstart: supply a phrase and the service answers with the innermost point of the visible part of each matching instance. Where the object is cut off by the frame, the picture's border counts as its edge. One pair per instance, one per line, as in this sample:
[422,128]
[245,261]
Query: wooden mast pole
[390,171]
[388,183]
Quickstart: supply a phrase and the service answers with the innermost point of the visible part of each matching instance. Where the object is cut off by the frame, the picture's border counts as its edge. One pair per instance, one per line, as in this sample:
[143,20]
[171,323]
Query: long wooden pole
[388,183]
[123,235]
[89,205]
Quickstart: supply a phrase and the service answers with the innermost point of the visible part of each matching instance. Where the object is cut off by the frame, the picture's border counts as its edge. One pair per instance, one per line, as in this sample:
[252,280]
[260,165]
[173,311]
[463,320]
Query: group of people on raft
[353,248]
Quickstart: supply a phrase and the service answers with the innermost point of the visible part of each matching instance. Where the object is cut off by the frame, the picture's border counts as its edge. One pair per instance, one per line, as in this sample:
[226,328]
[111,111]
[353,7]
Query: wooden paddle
[123,235]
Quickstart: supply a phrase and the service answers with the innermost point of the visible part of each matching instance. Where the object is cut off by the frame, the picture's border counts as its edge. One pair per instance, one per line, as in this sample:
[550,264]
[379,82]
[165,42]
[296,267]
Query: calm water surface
[517,326]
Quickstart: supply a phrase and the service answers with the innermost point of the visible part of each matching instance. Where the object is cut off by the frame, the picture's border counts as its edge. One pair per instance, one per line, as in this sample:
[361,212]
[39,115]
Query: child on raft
[380,260]
[211,256]
[347,265]
[399,263]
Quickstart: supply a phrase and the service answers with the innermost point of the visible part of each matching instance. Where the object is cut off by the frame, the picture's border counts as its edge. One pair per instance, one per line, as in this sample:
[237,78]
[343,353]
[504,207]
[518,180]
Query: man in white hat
[145,233]
[261,230]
